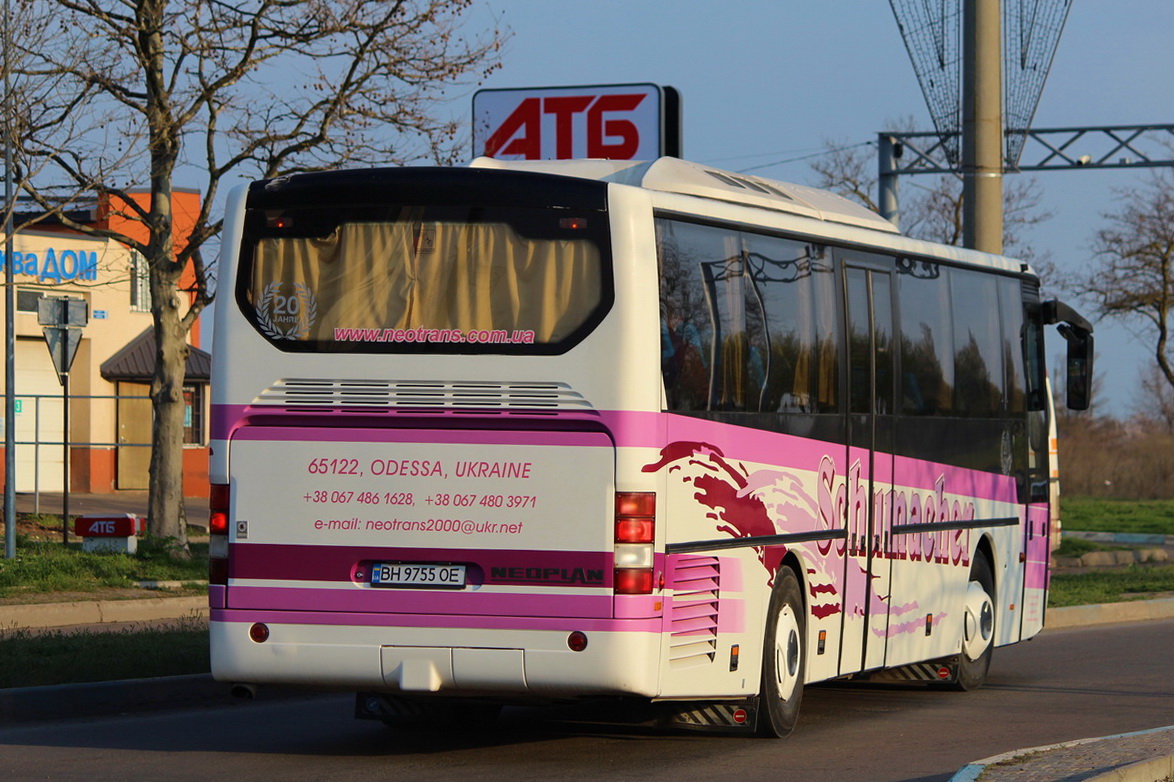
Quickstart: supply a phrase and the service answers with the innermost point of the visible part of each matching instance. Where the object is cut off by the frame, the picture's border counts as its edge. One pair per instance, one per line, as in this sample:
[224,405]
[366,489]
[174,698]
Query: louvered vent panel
[693,611]
[367,396]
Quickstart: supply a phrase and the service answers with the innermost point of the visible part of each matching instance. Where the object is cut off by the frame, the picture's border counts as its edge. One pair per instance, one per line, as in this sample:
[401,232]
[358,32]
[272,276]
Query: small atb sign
[111,533]
[614,122]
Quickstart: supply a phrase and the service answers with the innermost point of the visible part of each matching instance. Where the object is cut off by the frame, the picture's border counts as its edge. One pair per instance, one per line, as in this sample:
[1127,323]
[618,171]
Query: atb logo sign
[618,122]
[286,311]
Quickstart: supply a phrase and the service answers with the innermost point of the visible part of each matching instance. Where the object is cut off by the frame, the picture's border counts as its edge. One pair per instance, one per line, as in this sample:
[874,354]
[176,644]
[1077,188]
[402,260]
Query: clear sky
[767,81]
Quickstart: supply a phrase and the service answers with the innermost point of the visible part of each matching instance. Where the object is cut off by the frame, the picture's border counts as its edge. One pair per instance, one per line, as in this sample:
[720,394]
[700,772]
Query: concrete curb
[1132,772]
[147,609]
[1145,771]
[1108,613]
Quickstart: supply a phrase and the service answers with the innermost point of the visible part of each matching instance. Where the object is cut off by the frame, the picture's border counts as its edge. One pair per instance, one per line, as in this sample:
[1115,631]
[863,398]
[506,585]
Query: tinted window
[798,290]
[978,347]
[1011,309]
[424,278]
[927,338]
[747,321]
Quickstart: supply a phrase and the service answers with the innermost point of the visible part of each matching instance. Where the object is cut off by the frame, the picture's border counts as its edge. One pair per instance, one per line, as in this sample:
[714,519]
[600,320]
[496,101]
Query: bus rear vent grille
[423,397]
[693,611]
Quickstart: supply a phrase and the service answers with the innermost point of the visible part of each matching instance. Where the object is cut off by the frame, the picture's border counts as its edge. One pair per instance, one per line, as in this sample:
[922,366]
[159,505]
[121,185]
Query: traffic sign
[62,311]
[63,319]
[62,342]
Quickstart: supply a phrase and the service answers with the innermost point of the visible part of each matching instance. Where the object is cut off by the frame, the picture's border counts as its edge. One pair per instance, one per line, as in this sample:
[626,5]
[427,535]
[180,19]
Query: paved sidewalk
[1147,756]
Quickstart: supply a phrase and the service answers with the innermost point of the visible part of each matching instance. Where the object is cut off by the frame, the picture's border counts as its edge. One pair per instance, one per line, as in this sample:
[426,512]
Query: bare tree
[931,206]
[1154,406]
[1134,281]
[223,88]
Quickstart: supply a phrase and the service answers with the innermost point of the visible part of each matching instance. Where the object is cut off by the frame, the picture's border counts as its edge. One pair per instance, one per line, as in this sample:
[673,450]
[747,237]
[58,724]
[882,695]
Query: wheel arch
[792,560]
[986,547]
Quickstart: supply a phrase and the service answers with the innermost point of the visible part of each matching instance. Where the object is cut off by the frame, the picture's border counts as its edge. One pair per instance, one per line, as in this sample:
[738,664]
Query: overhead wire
[801,158]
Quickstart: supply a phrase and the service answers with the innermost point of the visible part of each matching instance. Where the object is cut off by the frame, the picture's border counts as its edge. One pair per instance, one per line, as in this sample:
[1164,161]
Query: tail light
[635,531]
[218,502]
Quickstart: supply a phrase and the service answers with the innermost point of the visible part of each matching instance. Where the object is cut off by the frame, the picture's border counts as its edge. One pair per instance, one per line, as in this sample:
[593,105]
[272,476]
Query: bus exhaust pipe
[244,691]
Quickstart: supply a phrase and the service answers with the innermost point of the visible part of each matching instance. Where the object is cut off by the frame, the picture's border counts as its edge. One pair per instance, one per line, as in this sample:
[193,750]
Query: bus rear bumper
[444,661]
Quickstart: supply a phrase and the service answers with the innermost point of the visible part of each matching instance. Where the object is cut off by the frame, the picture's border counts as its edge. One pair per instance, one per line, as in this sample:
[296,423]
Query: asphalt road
[1066,684]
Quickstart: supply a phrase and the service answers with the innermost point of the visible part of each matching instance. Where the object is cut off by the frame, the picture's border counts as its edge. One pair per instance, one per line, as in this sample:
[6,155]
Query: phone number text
[439,500]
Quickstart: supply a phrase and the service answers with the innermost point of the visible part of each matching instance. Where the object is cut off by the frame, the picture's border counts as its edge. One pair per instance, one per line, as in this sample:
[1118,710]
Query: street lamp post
[9,308]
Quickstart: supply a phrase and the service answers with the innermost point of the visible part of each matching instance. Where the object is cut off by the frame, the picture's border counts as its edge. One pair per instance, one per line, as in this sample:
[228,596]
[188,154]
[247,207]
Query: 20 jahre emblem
[286,311]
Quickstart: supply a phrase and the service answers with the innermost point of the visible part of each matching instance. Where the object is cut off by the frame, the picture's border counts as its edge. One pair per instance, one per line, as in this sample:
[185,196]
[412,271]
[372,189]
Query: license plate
[396,574]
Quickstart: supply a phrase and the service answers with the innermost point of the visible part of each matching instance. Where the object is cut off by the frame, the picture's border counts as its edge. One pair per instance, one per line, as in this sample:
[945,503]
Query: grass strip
[53,567]
[1075,547]
[1093,514]
[1136,582]
[33,659]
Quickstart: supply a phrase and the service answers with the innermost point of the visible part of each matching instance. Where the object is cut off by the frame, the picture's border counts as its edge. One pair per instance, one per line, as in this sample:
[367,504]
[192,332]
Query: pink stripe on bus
[627,429]
[405,435]
[547,569]
[369,602]
[362,620]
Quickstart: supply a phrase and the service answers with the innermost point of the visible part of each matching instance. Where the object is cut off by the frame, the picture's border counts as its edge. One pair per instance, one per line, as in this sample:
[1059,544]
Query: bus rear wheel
[784,658]
[978,632]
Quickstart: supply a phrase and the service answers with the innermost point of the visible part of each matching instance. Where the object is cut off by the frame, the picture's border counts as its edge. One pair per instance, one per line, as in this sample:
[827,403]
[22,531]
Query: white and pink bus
[529,432]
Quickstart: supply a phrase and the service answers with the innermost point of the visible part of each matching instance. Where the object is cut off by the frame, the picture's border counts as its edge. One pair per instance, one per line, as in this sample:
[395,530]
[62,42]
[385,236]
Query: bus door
[871,407]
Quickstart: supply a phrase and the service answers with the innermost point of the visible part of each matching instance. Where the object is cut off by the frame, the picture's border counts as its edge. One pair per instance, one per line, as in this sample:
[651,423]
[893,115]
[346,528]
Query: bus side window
[927,338]
[686,328]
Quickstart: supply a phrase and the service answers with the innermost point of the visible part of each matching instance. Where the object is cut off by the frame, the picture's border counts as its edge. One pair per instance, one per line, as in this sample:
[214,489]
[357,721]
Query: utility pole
[982,126]
[9,308]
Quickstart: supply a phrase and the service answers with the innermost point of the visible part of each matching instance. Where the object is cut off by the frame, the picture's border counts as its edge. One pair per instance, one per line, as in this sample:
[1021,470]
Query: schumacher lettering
[902,506]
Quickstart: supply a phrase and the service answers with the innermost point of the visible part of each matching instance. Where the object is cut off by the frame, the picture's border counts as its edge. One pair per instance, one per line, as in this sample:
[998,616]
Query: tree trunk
[166,517]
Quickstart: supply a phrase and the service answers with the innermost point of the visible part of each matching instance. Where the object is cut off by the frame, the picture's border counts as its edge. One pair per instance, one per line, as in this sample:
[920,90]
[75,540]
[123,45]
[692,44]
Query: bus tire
[784,657]
[978,631]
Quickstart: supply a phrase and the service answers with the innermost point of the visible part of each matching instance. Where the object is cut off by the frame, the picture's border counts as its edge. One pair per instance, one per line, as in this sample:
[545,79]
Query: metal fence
[44,405]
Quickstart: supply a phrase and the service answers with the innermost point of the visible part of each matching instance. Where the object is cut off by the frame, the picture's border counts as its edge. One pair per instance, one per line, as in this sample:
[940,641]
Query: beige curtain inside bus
[434,276]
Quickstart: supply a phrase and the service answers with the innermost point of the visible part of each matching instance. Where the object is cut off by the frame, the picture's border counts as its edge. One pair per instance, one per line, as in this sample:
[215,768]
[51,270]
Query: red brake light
[635,517]
[218,503]
[631,581]
[218,509]
[635,530]
[636,503]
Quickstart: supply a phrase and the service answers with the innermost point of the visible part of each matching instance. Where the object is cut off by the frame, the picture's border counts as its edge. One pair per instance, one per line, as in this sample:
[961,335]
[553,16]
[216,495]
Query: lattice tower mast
[932,32]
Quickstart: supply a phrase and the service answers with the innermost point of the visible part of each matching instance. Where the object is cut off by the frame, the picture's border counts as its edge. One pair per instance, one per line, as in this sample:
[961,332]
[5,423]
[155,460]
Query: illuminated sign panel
[615,122]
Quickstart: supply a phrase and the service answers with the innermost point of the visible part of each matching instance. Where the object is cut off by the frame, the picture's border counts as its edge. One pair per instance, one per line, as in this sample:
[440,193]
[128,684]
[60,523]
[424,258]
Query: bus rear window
[419,279]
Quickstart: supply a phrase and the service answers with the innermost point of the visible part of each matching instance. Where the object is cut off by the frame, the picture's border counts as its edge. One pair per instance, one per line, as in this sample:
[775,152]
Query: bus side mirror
[1080,355]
